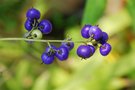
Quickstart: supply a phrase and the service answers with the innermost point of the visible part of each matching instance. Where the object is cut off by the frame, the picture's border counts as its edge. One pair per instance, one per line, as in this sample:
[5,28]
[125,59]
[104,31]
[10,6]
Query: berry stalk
[39,40]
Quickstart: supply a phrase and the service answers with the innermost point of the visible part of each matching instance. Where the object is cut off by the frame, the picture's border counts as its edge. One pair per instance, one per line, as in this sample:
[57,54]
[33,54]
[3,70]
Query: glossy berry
[33,13]
[31,19]
[105,49]
[95,32]
[62,53]
[84,51]
[45,26]
[51,50]
[104,38]
[85,31]
[28,25]
[47,59]
[92,49]
[68,45]
[36,34]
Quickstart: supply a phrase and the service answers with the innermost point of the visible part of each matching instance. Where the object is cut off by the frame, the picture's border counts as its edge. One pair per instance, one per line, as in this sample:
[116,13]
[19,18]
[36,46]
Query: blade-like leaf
[131,9]
[93,11]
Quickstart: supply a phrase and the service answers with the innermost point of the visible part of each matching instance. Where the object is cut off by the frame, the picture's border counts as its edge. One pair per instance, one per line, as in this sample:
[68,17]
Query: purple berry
[51,50]
[95,32]
[62,53]
[68,45]
[85,31]
[33,13]
[47,59]
[45,26]
[84,51]
[28,25]
[104,38]
[105,49]
[92,49]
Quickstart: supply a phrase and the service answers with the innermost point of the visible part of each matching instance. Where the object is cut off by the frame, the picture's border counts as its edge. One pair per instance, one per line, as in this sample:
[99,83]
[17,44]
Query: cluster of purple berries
[97,37]
[93,34]
[61,53]
[35,28]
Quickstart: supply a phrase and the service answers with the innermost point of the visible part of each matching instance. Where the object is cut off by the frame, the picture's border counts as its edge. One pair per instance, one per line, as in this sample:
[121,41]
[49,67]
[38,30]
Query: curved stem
[39,40]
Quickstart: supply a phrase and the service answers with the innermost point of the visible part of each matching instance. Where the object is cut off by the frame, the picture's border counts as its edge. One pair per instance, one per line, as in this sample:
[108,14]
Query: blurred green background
[20,67]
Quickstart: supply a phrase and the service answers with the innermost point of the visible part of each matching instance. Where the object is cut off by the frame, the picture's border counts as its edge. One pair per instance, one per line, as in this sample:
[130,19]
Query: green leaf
[41,82]
[10,53]
[93,11]
[115,23]
[131,9]
[22,70]
[12,84]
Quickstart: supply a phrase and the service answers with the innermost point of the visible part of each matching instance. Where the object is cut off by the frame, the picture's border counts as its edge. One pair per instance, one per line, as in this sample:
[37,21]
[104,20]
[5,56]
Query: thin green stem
[34,28]
[39,40]
[49,44]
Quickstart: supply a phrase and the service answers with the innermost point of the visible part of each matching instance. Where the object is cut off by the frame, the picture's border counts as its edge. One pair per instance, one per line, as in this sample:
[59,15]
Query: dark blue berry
[33,13]
[104,38]
[45,26]
[62,53]
[84,51]
[95,32]
[31,20]
[28,25]
[85,31]
[92,49]
[105,49]
[68,45]
[51,50]
[47,58]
